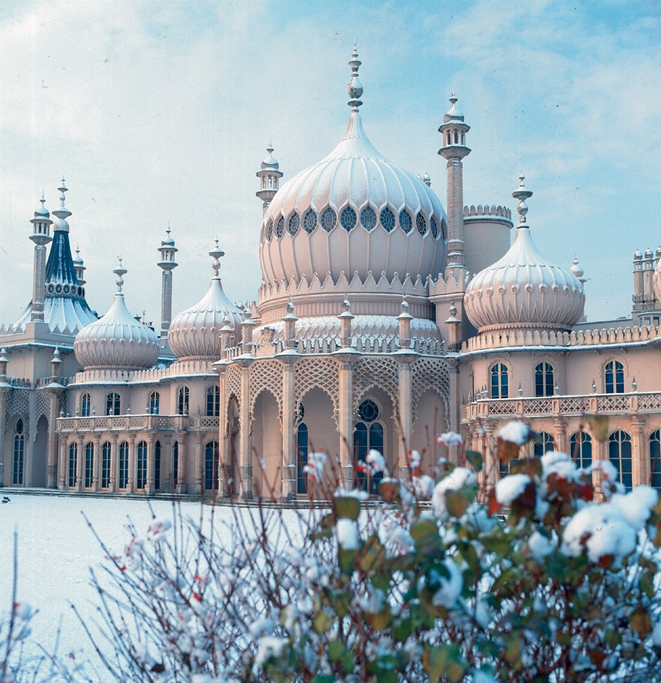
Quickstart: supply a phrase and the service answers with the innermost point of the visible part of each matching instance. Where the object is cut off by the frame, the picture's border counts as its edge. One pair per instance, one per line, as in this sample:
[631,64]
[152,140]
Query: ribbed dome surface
[195,332]
[524,290]
[117,341]
[354,211]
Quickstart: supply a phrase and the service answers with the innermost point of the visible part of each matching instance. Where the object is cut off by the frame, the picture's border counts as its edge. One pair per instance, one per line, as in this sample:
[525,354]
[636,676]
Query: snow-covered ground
[56,549]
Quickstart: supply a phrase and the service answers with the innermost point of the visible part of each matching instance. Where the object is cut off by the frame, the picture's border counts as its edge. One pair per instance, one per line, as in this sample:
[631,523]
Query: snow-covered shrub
[547,581]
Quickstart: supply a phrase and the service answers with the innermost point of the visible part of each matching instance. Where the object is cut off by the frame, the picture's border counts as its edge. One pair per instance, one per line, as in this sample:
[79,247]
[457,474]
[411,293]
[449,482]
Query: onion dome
[195,333]
[270,162]
[522,289]
[353,212]
[117,341]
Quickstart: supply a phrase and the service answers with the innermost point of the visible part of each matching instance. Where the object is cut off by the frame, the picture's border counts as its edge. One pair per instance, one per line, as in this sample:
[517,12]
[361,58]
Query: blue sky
[160,111]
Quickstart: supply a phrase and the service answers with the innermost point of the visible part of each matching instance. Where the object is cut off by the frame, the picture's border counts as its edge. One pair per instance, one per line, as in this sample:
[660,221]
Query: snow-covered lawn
[56,549]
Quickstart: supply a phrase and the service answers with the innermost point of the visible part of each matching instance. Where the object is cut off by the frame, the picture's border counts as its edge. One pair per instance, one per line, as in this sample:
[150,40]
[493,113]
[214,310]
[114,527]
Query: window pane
[302,440]
[655,459]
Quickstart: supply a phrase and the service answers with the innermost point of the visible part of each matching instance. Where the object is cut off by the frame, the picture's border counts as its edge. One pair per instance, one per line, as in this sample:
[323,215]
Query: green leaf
[373,555]
[347,560]
[475,459]
[321,622]
[456,503]
[424,531]
[445,660]
[641,622]
[336,650]
[402,629]
[325,678]
[512,652]
[347,507]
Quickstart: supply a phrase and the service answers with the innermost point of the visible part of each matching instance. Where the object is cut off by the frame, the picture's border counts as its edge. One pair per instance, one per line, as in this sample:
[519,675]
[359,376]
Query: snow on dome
[522,289]
[353,212]
[117,341]
[195,332]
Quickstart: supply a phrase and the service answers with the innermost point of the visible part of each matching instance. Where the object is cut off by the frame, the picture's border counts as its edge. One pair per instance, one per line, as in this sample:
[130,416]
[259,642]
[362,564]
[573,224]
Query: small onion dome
[270,162]
[78,261]
[168,241]
[195,332]
[522,289]
[576,269]
[117,341]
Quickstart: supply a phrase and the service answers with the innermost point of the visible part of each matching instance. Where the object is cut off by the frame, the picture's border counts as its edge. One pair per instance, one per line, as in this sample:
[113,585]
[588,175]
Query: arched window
[19,454]
[543,444]
[500,381]
[113,404]
[105,464]
[614,377]
[580,449]
[183,400]
[73,464]
[141,474]
[175,465]
[213,401]
[89,464]
[85,405]
[619,452]
[154,403]
[157,465]
[302,444]
[367,435]
[655,459]
[123,465]
[211,461]
[544,379]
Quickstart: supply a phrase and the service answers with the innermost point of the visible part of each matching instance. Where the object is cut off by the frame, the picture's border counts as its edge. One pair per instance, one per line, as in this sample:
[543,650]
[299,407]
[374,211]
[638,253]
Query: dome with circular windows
[195,332]
[354,212]
[523,290]
[117,341]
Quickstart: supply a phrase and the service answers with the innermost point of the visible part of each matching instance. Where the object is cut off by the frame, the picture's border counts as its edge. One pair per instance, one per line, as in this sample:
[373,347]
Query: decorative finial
[522,194]
[290,306]
[355,87]
[62,213]
[216,254]
[453,309]
[346,304]
[120,271]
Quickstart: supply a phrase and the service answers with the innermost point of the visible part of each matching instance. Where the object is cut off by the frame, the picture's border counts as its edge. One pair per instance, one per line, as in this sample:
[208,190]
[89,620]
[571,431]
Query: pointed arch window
[213,401]
[368,435]
[614,377]
[302,446]
[73,464]
[123,465]
[580,449]
[655,459]
[105,464]
[544,380]
[183,401]
[543,444]
[89,465]
[500,381]
[157,465]
[154,403]
[85,405]
[141,474]
[211,463]
[19,454]
[619,453]
[113,404]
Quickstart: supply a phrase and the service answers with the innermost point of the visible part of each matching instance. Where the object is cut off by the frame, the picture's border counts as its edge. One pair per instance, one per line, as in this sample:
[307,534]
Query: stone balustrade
[137,423]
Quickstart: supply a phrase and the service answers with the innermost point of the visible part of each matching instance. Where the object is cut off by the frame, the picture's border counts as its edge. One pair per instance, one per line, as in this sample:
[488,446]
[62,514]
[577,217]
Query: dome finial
[522,194]
[216,254]
[120,271]
[355,87]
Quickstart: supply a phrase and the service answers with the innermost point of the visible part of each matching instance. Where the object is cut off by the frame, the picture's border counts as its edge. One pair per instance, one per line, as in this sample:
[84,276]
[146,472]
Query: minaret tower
[41,237]
[79,265]
[453,129]
[269,176]
[168,264]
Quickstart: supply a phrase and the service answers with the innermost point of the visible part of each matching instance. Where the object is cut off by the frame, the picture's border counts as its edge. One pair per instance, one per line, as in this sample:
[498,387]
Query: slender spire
[355,87]
[62,213]
[216,254]
[522,194]
[120,271]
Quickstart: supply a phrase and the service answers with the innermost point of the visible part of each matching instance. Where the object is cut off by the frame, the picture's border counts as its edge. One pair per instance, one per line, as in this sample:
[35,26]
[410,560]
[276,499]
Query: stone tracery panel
[382,373]
[18,405]
[233,383]
[430,374]
[322,373]
[265,375]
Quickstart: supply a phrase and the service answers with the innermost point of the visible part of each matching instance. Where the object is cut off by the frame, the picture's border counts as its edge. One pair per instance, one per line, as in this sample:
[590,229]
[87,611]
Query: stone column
[346,359]
[223,430]
[130,488]
[181,469]
[454,421]
[96,469]
[405,412]
[245,456]
[561,444]
[150,487]
[199,459]
[114,464]
[490,456]
[4,392]
[167,485]
[63,464]
[54,411]
[640,462]
[80,465]
[289,449]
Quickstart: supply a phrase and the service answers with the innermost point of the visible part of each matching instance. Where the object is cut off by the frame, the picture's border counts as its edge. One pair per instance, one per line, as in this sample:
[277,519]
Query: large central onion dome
[195,332]
[522,289]
[354,212]
[117,341]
